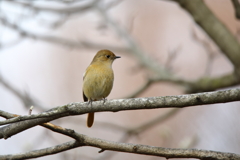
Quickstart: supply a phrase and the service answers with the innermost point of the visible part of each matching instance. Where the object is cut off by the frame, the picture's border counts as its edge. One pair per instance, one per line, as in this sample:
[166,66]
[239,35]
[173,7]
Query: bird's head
[105,56]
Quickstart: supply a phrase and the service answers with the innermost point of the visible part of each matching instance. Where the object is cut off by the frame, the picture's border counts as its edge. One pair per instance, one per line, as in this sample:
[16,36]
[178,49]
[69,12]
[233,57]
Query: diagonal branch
[179,101]
[26,99]
[50,126]
[43,152]
[58,40]
[62,10]
[143,127]
[236,6]
[141,89]
[215,29]
[84,140]
[134,49]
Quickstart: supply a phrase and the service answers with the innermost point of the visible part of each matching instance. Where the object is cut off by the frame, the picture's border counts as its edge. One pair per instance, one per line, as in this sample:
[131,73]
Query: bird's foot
[104,100]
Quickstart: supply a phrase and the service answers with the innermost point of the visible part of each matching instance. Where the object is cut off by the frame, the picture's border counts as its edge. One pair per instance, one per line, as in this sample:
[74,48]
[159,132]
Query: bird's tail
[90,119]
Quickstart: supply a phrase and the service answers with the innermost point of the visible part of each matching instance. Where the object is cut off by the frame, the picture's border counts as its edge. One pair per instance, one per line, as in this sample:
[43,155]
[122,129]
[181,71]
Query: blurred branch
[83,140]
[153,122]
[62,10]
[181,101]
[134,49]
[162,73]
[58,40]
[189,142]
[10,44]
[141,89]
[236,6]
[171,56]
[143,127]
[26,99]
[209,84]
[203,84]
[210,53]
[215,29]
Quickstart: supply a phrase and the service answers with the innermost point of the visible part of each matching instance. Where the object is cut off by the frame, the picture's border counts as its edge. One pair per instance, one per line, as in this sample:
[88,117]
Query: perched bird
[98,79]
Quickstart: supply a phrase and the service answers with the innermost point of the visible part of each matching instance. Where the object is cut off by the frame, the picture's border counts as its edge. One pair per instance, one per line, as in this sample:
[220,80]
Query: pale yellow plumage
[98,79]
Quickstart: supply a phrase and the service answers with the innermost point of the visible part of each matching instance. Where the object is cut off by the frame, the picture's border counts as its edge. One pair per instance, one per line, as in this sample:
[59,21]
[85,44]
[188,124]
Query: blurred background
[45,47]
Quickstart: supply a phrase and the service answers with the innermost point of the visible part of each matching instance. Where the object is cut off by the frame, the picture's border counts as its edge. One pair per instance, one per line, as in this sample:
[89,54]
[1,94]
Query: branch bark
[215,29]
[236,6]
[180,101]
[84,140]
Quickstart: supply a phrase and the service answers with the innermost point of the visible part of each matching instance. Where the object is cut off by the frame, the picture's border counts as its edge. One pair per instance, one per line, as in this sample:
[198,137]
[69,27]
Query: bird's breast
[98,82]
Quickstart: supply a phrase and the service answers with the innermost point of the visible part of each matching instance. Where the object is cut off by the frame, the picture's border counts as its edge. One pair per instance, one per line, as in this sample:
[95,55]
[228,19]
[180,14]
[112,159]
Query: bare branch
[66,10]
[143,127]
[30,110]
[59,40]
[153,122]
[10,44]
[210,52]
[142,57]
[84,140]
[43,152]
[26,99]
[215,29]
[210,84]
[141,89]
[118,105]
[171,56]
[50,126]
[236,6]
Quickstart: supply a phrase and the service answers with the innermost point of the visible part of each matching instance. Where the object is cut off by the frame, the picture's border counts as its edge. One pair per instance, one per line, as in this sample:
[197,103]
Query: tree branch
[141,89]
[50,126]
[236,6]
[116,105]
[67,10]
[134,49]
[215,29]
[58,40]
[145,126]
[210,84]
[26,99]
[84,140]
[42,152]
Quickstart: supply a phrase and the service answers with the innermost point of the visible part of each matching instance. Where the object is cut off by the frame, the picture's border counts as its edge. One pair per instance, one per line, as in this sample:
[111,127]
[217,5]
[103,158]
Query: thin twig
[30,110]
[66,10]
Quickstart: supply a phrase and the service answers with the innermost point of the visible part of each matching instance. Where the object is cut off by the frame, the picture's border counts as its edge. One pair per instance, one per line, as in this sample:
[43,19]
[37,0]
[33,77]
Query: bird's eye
[108,56]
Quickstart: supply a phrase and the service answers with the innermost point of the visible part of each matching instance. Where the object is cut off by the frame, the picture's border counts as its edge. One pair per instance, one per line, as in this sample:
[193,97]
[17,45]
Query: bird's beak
[117,57]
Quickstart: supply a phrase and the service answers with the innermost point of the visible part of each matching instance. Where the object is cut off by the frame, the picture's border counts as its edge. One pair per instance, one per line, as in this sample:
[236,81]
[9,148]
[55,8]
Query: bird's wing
[84,96]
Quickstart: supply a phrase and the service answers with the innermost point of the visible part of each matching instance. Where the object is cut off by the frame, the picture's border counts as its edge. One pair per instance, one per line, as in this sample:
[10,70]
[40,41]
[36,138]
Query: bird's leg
[104,100]
[90,101]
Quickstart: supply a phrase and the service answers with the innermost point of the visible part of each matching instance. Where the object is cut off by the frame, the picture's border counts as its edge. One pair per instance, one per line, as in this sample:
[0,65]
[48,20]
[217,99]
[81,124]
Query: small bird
[98,79]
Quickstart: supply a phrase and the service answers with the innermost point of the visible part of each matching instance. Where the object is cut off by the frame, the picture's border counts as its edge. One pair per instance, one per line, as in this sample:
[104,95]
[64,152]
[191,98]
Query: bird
[98,79]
